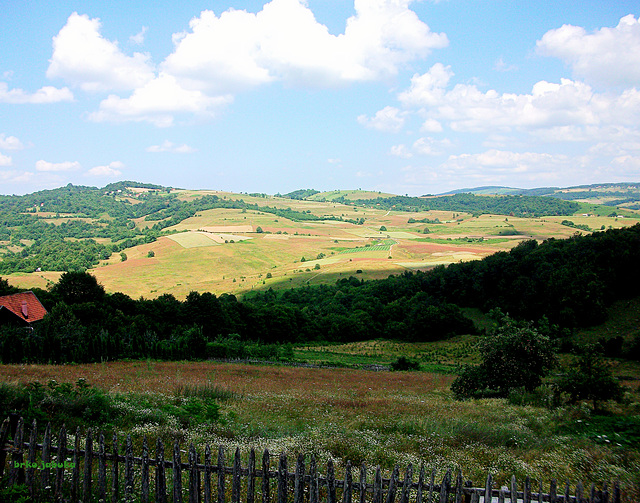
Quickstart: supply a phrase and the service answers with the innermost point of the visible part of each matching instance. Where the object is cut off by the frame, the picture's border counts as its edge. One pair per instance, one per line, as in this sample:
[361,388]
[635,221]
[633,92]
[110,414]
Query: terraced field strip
[381,247]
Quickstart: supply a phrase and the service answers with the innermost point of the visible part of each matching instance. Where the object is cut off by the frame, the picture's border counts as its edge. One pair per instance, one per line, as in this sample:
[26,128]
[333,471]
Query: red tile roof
[25,306]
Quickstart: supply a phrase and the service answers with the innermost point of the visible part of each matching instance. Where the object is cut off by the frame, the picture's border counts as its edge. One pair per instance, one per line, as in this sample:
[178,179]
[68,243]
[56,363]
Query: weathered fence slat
[331,482]
[298,486]
[235,481]
[31,458]
[553,492]
[431,485]
[115,486]
[102,468]
[88,459]
[348,484]
[488,487]
[314,490]
[420,487]
[363,482]
[194,485]
[220,474]
[251,476]
[526,493]
[282,478]
[4,434]
[176,469]
[128,470]
[459,487]
[161,478]
[265,477]
[144,493]
[445,487]
[514,490]
[393,485]
[62,454]
[75,473]
[377,487]
[207,474]
[16,475]
[46,455]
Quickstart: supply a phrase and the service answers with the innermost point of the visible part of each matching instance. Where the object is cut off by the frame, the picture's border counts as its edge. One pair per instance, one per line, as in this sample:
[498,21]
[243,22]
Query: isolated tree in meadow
[259,230]
[514,356]
[589,377]
[75,287]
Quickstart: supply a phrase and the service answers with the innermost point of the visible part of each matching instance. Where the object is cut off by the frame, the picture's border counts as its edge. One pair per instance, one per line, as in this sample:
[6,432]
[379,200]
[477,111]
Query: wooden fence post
[115,486]
[283,475]
[314,490]
[88,459]
[128,470]
[431,484]
[348,484]
[251,482]
[221,475]
[377,487]
[265,476]
[553,496]
[194,486]
[4,434]
[16,474]
[526,497]
[144,493]
[46,455]
[298,487]
[177,473]
[445,487]
[420,484]
[363,483]
[62,454]
[31,458]
[207,474]
[331,482]
[75,473]
[102,469]
[161,478]
[514,490]
[488,487]
[235,480]
[459,484]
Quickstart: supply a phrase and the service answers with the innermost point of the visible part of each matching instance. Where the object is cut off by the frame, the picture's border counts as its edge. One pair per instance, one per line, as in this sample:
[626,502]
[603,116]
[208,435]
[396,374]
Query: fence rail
[62,473]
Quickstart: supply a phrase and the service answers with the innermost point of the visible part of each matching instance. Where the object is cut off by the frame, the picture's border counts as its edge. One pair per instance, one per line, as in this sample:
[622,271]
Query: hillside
[147,240]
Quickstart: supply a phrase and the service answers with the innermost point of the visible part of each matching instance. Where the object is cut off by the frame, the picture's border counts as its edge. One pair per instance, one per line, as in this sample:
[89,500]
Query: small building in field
[21,309]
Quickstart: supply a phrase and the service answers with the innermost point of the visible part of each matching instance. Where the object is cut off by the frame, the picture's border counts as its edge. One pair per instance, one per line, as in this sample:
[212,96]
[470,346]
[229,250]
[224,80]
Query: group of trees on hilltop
[519,206]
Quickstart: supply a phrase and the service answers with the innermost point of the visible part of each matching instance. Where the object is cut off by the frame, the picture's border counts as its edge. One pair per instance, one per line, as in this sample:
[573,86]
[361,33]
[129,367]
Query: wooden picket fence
[74,474]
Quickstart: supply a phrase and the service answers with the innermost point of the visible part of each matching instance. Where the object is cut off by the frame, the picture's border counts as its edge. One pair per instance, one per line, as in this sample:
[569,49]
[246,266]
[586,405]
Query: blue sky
[402,96]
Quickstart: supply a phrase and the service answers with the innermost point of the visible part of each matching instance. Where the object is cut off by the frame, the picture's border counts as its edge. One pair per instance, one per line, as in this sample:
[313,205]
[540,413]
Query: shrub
[404,364]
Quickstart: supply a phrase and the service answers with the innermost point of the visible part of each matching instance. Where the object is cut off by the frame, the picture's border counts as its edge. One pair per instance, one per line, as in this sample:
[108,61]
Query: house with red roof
[21,309]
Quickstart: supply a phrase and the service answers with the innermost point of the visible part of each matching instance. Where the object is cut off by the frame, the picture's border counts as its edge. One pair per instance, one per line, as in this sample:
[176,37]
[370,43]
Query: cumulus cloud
[608,56]
[431,146]
[84,58]
[5,160]
[388,119]
[10,142]
[138,38]
[46,94]
[401,151]
[16,176]
[157,102]
[285,42]
[112,169]
[60,166]
[167,146]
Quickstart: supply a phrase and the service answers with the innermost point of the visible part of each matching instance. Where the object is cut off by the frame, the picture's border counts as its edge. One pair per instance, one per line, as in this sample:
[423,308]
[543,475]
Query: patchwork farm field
[381,418]
[238,250]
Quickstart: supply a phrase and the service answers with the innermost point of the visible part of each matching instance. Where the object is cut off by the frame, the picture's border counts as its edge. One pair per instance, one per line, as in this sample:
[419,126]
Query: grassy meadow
[381,418]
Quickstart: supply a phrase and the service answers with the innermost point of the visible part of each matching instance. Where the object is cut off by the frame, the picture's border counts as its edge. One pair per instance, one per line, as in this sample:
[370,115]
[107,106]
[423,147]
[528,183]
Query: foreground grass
[382,418]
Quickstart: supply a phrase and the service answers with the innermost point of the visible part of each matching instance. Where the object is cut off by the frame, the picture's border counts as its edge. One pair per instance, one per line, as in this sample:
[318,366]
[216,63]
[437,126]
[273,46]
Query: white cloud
[608,56]
[112,169]
[84,58]
[60,166]
[157,102]
[10,142]
[284,41]
[431,146]
[427,89]
[138,38]
[431,126]
[47,94]
[167,146]
[16,176]
[401,151]
[5,160]
[388,119]
[501,66]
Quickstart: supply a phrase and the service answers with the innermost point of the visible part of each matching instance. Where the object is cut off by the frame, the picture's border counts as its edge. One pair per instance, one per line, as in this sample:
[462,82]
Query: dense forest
[559,284]
[519,206]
